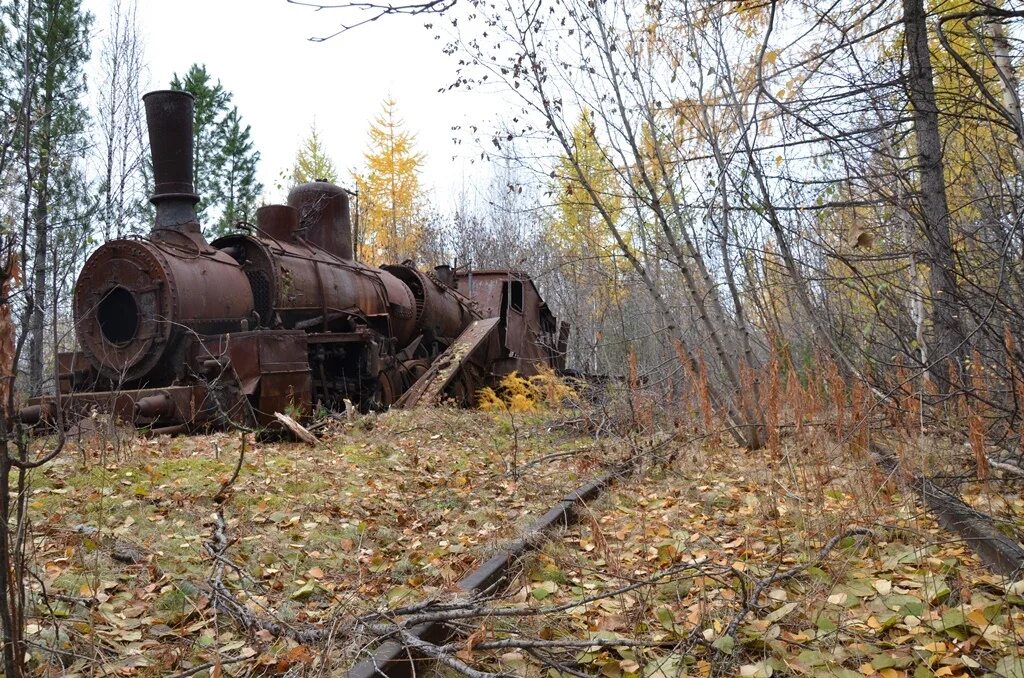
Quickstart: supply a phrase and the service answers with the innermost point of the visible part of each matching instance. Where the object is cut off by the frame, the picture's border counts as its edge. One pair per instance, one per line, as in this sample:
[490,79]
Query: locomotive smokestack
[169,119]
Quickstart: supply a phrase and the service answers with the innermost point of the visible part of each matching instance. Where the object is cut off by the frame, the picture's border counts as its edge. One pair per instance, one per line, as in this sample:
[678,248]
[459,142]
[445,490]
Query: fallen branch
[759,588]
[441,654]
[224,601]
[1007,467]
[209,665]
[297,429]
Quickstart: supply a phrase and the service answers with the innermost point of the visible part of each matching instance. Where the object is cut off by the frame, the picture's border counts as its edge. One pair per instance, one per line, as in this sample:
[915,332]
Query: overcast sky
[281,81]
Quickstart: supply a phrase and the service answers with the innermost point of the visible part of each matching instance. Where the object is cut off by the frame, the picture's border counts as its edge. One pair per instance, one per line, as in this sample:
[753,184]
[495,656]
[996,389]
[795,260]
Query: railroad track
[400,660]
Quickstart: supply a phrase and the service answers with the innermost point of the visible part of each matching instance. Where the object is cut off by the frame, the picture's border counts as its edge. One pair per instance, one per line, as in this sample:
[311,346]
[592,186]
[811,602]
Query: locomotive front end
[136,299]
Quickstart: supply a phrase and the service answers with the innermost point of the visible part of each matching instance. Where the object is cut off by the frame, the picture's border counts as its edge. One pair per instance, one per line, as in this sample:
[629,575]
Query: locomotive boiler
[178,333]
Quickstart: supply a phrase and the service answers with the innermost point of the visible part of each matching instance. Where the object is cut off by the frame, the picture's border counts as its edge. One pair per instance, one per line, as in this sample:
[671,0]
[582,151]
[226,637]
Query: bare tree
[120,144]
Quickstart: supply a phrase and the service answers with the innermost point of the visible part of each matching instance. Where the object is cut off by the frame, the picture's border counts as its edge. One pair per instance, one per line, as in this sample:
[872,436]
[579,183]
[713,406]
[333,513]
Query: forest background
[765,217]
[717,196]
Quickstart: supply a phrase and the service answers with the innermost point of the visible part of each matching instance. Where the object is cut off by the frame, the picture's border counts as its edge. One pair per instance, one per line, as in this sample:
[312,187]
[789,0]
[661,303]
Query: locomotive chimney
[169,119]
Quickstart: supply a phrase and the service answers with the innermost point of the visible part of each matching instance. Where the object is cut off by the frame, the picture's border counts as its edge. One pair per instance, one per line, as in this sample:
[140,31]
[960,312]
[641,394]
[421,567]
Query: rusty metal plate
[184,404]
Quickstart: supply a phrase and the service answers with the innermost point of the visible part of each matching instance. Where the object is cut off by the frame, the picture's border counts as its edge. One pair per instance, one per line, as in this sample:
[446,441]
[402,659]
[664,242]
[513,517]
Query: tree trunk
[41,228]
[948,335]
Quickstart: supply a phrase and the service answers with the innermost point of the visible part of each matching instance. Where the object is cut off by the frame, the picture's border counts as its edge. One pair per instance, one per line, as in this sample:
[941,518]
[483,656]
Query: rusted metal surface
[998,552]
[169,116]
[530,336]
[177,404]
[440,310]
[271,369]
[429,388]
[324,216]
[278,315]
[294,283]
[278,222]
[135,300]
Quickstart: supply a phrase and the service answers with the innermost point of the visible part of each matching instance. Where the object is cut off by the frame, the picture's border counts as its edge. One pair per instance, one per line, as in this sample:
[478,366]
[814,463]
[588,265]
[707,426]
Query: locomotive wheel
[413,370]
[385,390]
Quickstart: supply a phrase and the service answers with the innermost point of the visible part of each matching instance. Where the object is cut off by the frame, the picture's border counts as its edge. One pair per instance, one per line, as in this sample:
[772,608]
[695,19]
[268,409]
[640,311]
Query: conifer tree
[390,196]
[224,162]
[45,63]
[239,186]
[312,162]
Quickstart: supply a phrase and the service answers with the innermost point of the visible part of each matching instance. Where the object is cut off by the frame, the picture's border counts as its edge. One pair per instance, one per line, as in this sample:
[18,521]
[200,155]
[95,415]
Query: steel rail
[396,660]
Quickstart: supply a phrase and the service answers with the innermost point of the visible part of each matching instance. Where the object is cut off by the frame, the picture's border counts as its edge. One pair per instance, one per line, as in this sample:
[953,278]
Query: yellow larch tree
[578,226]
[390,195]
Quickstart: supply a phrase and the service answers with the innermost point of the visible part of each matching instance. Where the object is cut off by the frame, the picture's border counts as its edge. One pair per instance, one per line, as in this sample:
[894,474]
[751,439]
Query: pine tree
[239,186]
[211,107]
[49,52]
[224,167]
[390,197]
[312,162]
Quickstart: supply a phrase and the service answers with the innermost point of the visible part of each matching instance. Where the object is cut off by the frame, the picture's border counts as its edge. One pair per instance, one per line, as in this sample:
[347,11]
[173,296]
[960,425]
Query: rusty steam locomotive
[178,333]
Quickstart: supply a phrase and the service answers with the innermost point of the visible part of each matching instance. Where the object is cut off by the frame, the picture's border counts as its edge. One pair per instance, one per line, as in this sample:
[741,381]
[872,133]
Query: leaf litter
[387,511]
[723,564]
[714,563]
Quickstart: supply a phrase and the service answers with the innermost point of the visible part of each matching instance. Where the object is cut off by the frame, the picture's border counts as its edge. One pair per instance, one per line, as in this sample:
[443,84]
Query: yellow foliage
[390,196]
[518,394]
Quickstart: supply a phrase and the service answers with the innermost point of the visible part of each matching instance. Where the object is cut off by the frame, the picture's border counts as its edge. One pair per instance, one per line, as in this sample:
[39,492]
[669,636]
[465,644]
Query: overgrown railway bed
[388,511]
[719,563]
[710,562]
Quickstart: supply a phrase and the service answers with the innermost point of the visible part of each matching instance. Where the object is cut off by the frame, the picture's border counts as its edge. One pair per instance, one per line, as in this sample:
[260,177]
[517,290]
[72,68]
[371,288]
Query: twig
[1004,466]
[472,609]
[750,602]
[224,601]
[226,485]
[441,654]
[209,665]
[552,457]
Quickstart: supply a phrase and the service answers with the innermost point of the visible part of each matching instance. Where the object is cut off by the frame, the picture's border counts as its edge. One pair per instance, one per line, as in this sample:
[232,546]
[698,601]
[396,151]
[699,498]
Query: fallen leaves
[905,603]
[386,511]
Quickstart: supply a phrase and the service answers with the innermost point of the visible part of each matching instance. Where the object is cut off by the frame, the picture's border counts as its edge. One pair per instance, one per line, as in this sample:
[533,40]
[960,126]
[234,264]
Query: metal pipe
[154,406]
[168,430]
[34,414]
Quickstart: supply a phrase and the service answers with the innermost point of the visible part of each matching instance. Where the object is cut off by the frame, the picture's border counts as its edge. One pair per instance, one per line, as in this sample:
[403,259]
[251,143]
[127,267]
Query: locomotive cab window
[515,296]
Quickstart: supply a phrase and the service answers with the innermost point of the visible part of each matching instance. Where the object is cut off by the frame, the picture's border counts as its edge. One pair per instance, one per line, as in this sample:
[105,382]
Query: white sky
[281,81]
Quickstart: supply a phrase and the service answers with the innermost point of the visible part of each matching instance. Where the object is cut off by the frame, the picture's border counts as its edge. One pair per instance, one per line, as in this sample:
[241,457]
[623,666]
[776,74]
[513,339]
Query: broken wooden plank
[428,388]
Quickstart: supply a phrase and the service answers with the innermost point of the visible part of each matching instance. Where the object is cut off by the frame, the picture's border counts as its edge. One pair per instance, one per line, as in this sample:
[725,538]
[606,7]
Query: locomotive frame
[178,334]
